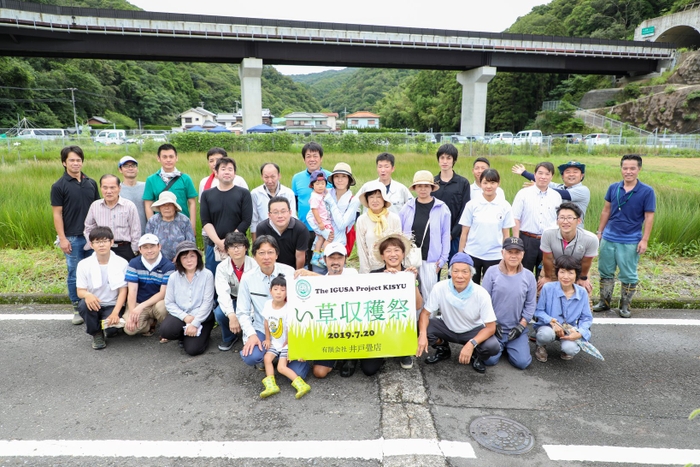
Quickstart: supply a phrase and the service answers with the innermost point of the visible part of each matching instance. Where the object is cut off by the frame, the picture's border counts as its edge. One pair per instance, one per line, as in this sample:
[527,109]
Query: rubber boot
[606,290]
[271,387]
[628,291]
[300,385]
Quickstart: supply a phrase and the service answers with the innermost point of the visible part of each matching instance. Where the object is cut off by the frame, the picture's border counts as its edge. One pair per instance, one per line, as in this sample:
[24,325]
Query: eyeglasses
[100,242]
[568,218]
[279,213]
[237,247]
[265,253]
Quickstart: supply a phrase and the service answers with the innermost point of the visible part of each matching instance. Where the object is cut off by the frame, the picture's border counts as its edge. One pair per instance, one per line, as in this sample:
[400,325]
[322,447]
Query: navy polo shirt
[627,212]
[149,282]
[75,197]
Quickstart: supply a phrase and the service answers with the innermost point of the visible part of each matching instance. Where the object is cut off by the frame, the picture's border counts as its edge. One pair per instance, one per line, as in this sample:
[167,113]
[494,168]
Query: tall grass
[26,218]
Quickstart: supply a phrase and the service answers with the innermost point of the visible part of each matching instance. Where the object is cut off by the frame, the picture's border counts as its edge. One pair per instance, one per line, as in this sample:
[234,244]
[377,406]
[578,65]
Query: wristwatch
[583,278]
[473,343]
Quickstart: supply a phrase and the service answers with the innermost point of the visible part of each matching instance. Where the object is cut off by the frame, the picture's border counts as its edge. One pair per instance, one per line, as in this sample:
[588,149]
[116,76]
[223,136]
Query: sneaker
[98,341]
[406,362]
[77,319]
[259,366]
[566,356]
[226,346]
[541,353]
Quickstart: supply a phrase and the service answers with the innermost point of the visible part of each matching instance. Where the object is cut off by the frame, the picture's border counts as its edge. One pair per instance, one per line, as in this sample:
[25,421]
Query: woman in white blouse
[375,223]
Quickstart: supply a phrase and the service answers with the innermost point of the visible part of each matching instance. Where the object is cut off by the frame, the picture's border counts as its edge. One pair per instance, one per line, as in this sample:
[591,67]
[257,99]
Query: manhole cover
[502,435]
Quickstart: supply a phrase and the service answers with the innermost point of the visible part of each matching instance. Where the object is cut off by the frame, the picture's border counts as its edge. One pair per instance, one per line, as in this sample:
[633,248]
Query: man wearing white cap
[131,188]
[147,278]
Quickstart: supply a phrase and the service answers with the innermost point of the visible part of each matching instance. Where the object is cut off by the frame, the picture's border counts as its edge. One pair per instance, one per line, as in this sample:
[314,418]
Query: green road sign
[648,31]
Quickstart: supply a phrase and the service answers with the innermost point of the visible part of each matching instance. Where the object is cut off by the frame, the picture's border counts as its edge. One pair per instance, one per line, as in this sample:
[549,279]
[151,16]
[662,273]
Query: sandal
[151,330]
[163,340]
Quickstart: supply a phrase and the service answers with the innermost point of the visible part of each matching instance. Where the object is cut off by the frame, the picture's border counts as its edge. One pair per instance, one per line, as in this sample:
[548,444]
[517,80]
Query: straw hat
[165,198]
[342,168]
[424,177]
[374,186]
[401,236]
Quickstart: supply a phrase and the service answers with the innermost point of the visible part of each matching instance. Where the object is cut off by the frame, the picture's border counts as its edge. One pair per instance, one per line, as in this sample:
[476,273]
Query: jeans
[518,351]
[211,263]
[256,356]
[77,254]
[546,335]
[226,335]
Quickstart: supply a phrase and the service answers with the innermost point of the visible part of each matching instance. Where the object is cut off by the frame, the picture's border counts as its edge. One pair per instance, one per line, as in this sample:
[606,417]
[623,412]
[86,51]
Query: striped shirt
[149,280]
[122,218]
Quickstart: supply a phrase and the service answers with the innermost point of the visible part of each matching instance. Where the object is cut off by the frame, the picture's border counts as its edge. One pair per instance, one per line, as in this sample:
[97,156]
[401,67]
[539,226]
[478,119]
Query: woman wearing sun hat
[169,224]
[342,205]
[427,220]
[376,222]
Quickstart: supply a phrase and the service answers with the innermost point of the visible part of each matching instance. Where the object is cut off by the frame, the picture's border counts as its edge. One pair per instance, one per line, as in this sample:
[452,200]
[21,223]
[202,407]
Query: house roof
[200,111]
[362,114]
[99,119]
[331,114]
[305,115]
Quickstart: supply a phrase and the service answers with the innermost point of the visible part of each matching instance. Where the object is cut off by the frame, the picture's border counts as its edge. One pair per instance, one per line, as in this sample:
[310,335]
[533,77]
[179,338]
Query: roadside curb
[641,302]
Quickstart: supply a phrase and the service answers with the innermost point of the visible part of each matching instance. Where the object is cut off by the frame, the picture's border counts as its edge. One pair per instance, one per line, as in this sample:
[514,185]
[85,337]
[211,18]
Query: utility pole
[75,118]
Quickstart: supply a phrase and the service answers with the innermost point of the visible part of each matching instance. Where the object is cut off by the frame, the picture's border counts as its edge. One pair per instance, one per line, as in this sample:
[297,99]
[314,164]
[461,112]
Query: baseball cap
[574,164]
[513,243]
[335,247]
[126,159]
[148,239]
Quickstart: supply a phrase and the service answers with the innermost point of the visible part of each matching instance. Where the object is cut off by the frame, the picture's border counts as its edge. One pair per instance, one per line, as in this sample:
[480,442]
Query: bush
[632,91]
[670,89]
[202,142]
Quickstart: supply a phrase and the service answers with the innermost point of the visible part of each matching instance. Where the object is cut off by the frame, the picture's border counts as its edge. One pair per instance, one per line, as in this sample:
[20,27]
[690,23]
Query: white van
[111,137]
[42,133]
[597,139]
[528,137]
[504,137]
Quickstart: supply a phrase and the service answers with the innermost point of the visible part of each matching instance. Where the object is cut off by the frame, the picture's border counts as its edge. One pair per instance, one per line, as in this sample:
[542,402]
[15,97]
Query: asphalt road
[190,410]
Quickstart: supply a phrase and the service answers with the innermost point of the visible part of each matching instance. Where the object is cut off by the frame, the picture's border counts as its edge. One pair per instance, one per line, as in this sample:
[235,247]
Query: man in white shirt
[396,192]
[534,211]
[271,187]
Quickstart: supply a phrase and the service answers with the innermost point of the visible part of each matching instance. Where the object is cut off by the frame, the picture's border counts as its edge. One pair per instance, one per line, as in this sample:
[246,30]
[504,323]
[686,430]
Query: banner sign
[351,317]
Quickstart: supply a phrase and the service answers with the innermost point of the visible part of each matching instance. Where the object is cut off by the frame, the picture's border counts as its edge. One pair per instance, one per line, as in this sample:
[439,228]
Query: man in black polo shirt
[71,197]
[224,209]
[453,190]
[291,234]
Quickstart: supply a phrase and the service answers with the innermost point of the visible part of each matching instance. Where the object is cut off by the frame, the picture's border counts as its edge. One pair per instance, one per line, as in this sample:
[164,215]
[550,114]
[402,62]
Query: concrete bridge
[28,29]
[682,29]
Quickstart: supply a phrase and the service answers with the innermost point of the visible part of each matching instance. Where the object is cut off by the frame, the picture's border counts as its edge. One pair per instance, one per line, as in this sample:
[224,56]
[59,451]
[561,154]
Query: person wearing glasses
[291,234]
[570,240]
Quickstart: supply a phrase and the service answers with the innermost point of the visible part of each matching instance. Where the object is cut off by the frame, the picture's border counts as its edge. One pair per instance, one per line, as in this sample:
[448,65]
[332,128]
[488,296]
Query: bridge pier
[250,72]
[474,86]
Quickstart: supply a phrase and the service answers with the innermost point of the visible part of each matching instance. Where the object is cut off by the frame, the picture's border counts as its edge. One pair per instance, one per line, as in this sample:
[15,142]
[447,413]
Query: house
[195,116]
[362,119]
[226,119]
[230,119]
[97,121]
[305,122]
[332,120]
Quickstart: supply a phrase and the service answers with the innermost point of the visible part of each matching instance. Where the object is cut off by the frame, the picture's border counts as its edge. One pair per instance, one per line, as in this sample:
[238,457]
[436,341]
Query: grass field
[30,264]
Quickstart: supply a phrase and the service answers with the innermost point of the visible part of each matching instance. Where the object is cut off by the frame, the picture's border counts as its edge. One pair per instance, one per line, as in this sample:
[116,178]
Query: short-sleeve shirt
[300,188]
[627,211]
[486,221]
[535,209]
[183,189]
[75,197]
[477,309]
[584,244]
[104,291]
[316,202]
[277,323]
[149,282]
[135,195]
[294,238]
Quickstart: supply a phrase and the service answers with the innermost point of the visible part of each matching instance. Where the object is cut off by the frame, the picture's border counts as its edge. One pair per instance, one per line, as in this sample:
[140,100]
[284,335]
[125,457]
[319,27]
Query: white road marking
[364,449]
[648,321]
[35,317]
[623,455]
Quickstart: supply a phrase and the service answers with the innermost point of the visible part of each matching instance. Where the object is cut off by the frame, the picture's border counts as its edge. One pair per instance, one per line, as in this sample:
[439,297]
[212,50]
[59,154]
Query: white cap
[148,239]
[126,159]
[335,247]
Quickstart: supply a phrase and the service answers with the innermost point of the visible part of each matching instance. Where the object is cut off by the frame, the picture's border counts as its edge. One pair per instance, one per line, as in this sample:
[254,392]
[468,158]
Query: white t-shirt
[106,285]
[477,310]
[475,192]
[486,221]
[278,324]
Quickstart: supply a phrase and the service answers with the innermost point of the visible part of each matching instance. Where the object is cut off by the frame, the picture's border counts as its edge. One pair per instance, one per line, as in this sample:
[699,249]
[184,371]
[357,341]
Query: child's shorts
[277,352]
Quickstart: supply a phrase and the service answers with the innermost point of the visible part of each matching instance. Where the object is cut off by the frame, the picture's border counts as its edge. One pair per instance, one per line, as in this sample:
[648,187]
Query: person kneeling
[275,313]
[563,302]
[467,318]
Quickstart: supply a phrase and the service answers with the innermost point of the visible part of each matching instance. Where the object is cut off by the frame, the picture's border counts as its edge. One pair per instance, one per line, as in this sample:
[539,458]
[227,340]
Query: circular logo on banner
[303,289]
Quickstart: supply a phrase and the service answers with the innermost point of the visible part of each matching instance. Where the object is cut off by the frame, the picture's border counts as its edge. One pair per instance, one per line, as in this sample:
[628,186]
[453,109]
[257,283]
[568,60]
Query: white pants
[428,279]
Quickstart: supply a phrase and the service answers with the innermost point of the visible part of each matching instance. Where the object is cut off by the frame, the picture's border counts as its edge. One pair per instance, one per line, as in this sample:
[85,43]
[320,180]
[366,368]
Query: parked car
[573,138]
[505,137]
[597,139]
[42,133]
[528,137]
[111,137]
[459,139]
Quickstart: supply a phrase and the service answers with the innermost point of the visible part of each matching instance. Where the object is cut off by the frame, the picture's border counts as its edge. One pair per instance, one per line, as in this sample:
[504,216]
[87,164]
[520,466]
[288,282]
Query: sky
[465,15]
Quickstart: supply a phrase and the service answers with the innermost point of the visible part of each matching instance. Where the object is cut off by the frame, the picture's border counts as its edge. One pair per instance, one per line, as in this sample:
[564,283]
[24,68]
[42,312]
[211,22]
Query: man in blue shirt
[313,156]
[629,205]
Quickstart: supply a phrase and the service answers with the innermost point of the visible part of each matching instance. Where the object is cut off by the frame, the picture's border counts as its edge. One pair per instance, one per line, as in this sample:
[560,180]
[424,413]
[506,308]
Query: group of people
[133,262]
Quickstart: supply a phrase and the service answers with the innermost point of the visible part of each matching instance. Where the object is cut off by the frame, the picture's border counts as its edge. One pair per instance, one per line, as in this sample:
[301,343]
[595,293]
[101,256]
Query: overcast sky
[469,15]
